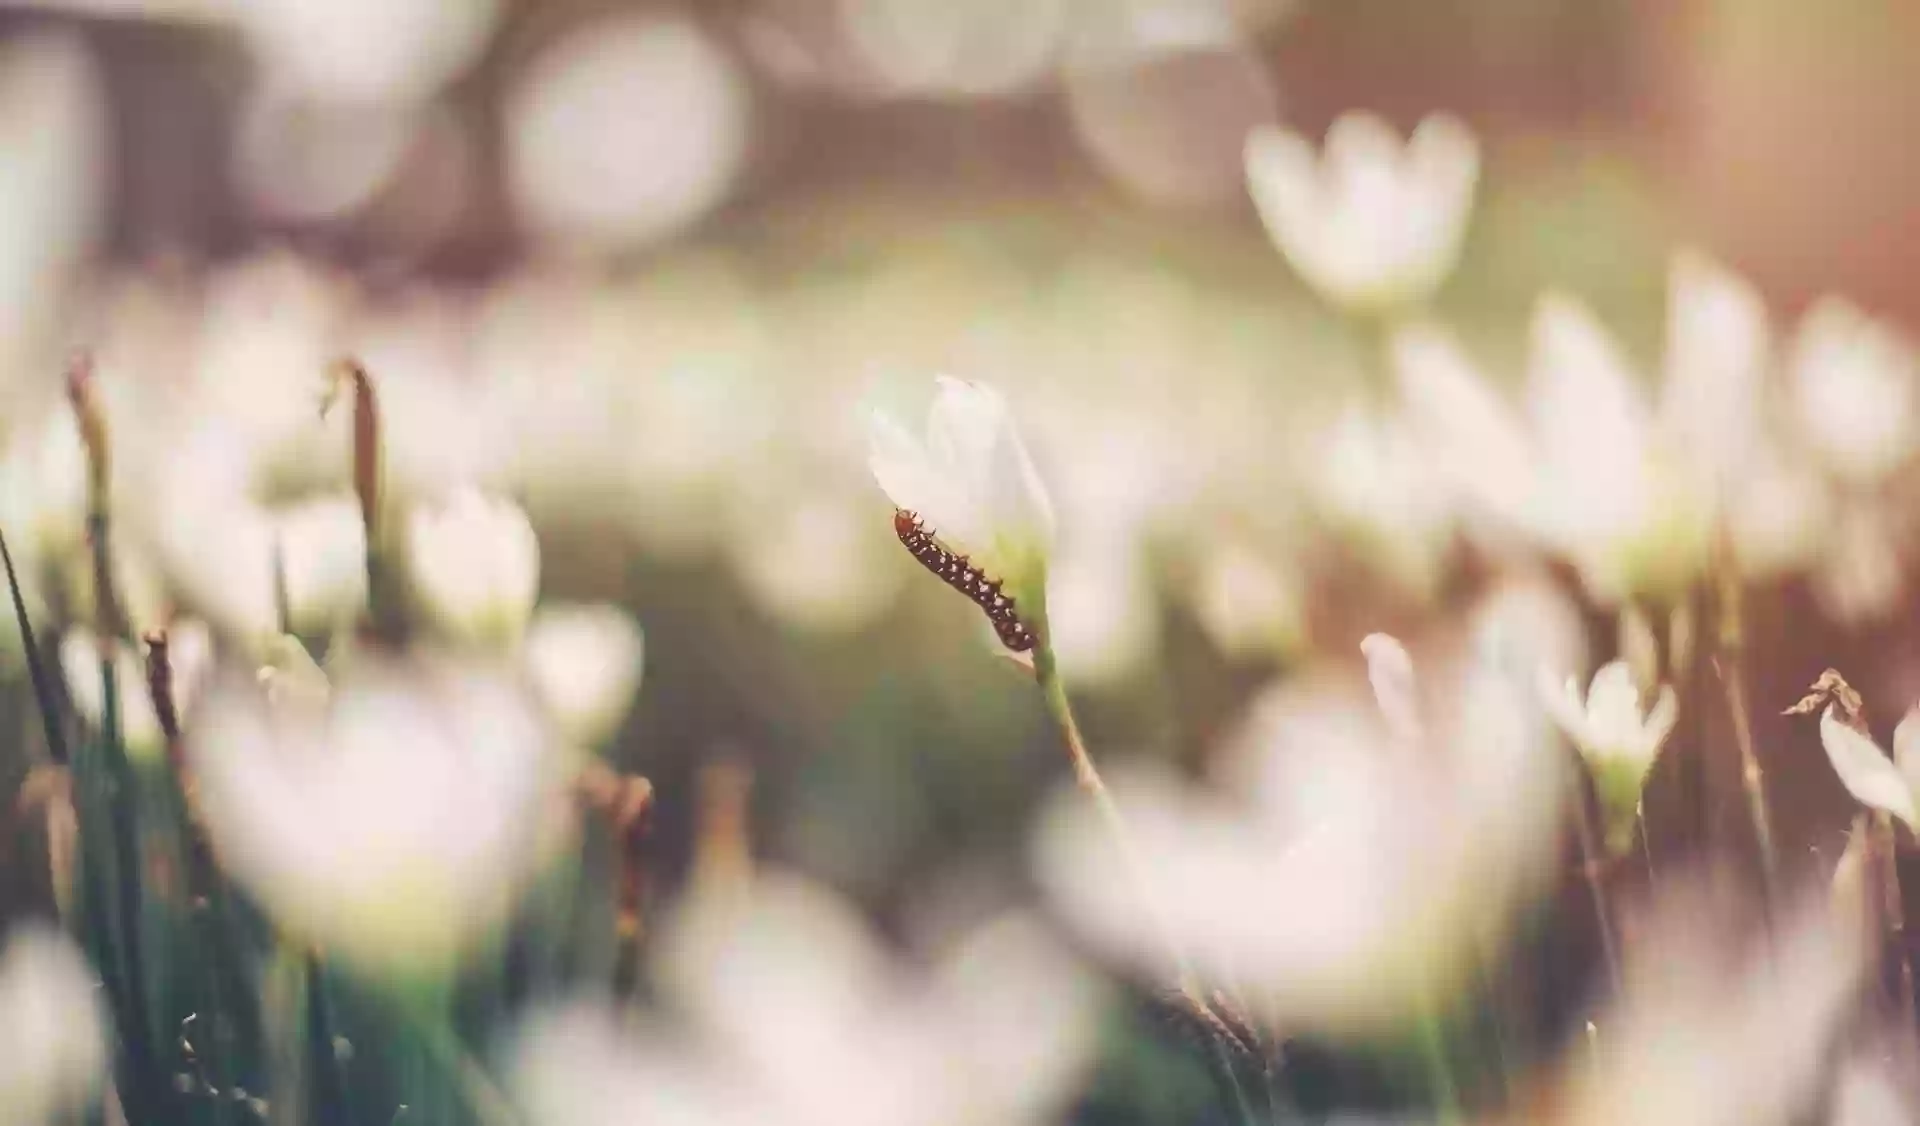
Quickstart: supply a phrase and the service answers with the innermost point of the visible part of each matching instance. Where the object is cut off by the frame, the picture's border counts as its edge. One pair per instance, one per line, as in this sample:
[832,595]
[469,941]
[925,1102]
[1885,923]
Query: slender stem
[1087,776]
[1592,870]
[1646,842]
[490,1106]
[1893,906]
[1730,665]
[284,997]
[1433,1057]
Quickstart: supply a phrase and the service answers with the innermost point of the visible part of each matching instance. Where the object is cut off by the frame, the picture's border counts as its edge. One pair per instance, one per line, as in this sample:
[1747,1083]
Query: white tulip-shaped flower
[392,820]
[584,662]
[1856,390]
[1888,785]
[1617,738]
[189,657]
[1372,852]
[231,557]
[53,1029]
[1370,222]
[1632,492]
[801,1018]
[475,565]
[971,484]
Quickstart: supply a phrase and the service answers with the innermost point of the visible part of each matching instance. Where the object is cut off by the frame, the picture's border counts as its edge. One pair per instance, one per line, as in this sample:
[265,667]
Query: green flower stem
[1729,663]
[111,776]
[1431,1041]
[1087,776]
[284,996]
[428,1015]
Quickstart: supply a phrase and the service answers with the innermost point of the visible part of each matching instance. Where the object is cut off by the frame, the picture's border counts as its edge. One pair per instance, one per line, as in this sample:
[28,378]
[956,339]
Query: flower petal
[1717,350]
[1906,747]
[1390,672]
[1867,773]
[1473,436]
[1283,179]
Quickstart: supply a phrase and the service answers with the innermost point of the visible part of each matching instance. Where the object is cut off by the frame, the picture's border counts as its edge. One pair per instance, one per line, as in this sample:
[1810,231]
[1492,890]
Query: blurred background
[644,265]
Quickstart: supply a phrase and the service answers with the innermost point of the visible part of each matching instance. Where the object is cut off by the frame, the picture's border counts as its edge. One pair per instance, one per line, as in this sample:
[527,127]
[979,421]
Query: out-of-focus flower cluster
[1274,466]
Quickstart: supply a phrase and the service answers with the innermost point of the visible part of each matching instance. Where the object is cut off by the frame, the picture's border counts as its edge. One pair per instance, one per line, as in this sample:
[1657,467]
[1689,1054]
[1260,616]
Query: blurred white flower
[585,664]
[1711,1035]
[189,656]
[1103,614]
[1872,1091]
[475,566]
[1373,850]
[53,145]
[978,50]
[1856,386]
[1617,738]
[363,51]
[1372,481]
[53,1029]
[1371,223]
[394,825]
[1611,499]
[225,553]
[1876,781]
[971,482]
[805,1021]
[815,558]
[1631,494]
[1248,603]
[626,130]
[322,545]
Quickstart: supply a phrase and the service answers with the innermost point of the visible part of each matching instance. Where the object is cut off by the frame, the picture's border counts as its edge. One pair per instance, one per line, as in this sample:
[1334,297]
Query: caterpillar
[957,572]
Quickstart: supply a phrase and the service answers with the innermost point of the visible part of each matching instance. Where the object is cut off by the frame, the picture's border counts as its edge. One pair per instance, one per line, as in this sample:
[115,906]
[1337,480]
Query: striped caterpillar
[960,574]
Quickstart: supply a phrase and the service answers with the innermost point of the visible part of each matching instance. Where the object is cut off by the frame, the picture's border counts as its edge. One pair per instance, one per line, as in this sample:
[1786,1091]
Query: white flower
[802,1019]
[189,657]
[1371,480]
[1619,741]
[1856,386]
[53,144]
[1102,614]
[475,565]
[1876,781]
[1248,602]
[584,662]
[1371,223]
[1630,491]
[53,1029]
[1712,1032]
[322,546]
[971,482]
[392,825]
[224,550]
[1372,851]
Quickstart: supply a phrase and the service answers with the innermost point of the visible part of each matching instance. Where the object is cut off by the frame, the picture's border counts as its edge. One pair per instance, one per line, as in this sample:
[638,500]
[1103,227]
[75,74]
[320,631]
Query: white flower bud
[475,566]
[395,824]
[585,663]
[971,482]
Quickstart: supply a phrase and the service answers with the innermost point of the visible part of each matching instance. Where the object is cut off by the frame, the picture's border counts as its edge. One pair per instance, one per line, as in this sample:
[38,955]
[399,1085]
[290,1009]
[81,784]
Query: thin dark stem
[1893,906]
[1592,870]
[42,680]
[1729,663]
[1087,776]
